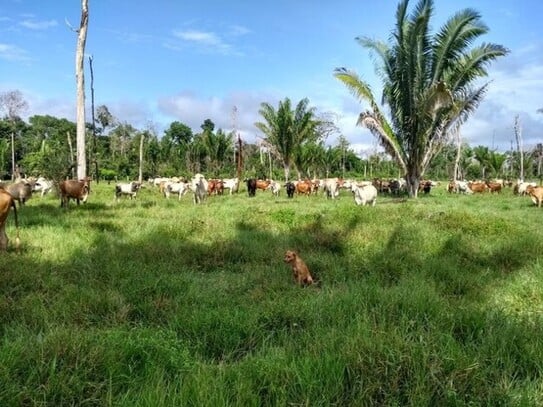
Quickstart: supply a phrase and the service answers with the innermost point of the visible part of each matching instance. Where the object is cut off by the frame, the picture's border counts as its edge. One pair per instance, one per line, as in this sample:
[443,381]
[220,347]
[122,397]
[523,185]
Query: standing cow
[291,188]
[73,189]
[6,203]
[42,185]
[364,195]
[251,187]
[199,188]
[21,191]
[130,189]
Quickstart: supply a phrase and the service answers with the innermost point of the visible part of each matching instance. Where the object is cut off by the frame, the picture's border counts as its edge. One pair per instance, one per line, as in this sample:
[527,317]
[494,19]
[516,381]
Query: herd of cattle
[363,192]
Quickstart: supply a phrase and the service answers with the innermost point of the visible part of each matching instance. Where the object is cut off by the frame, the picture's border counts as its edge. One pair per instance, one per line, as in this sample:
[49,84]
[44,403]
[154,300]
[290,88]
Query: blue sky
[159,61]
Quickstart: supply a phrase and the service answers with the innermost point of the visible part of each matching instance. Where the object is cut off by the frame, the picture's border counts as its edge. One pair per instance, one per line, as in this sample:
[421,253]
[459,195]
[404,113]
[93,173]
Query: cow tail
[17,239]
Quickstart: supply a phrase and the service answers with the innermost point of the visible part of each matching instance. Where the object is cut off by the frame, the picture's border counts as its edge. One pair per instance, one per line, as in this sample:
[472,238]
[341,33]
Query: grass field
[428,302]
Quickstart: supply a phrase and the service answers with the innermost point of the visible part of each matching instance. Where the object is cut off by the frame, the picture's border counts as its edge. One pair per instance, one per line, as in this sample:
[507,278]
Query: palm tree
[428,84]
[482,155]
[286,129]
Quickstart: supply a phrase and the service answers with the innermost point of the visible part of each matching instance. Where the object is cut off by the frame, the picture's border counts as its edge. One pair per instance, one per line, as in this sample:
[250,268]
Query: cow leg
[3,238]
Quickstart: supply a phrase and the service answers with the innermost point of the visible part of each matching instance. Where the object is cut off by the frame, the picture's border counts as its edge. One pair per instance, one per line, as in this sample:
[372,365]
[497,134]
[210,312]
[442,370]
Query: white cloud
[209,41]
[13,53]
[38,25]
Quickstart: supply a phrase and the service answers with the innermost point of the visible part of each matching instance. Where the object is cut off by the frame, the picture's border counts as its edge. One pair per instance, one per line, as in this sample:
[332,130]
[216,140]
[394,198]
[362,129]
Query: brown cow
[536,193]
[6,203]
[494,186]
[477,187]
[73,189]
[304,187]
[262,184]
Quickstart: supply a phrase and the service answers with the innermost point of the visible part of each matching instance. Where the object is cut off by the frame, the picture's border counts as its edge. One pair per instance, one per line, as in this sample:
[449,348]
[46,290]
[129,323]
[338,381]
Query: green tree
[429,84]
[495,163]
[287,129]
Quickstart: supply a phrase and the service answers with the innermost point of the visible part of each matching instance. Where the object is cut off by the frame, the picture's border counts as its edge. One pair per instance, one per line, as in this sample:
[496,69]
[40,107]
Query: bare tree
[518,136]
[80,78]
[13,104]
[458,153]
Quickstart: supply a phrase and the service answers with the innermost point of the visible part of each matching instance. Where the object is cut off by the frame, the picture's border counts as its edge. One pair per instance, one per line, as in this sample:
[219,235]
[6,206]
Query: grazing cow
[179,188]
[291,188]
[536,193]
[275,188]
[477,187]
[21,191]
[199,188]
[364,195]
[251,187]
[131,189]
[42,185]
[6,203]
[73,189]
[331,187]
[231,183]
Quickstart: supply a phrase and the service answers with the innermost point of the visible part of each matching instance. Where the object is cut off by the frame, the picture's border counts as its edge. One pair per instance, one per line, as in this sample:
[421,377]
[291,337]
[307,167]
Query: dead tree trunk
[80,77]
[140,172]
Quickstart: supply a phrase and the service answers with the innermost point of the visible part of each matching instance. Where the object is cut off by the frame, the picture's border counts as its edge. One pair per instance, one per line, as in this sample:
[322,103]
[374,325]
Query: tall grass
[435,301]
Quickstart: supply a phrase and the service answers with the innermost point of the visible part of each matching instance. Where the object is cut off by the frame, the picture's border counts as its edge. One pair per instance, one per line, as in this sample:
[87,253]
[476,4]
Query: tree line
[294,139]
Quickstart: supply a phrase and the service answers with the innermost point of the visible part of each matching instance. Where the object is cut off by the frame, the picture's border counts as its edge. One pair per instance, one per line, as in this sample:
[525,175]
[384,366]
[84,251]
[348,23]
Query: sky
[155,62]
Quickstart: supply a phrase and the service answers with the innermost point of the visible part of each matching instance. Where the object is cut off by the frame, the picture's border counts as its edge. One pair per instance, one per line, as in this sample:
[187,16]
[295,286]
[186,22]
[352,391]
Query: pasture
[151,302]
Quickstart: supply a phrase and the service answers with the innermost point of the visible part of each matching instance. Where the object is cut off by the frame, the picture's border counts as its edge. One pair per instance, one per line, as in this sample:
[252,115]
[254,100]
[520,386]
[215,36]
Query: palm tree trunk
[412,180]
[287,171]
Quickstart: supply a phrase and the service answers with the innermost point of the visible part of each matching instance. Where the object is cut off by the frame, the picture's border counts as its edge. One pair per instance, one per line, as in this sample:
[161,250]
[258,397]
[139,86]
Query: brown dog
[299,268]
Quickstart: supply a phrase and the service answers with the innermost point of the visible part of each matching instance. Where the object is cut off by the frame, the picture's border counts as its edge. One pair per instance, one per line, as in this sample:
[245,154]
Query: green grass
[435,301]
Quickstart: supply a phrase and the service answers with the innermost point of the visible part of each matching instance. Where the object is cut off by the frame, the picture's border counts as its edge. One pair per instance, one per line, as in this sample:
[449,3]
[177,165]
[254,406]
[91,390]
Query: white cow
[42,185]
[231,184]
[179,188]
[522,186]
[199,188]
[330,187]
[130,189]
[462,187]
[275,187]
[364,195]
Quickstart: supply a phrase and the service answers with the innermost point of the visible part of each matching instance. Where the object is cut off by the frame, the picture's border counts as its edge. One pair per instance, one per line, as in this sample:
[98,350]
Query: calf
[536,193]
[6,203]
[130,189]
[73,189]
[364,195]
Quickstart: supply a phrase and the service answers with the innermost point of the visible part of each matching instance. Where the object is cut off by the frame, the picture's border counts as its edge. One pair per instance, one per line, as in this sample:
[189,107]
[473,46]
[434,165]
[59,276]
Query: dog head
[290,256]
